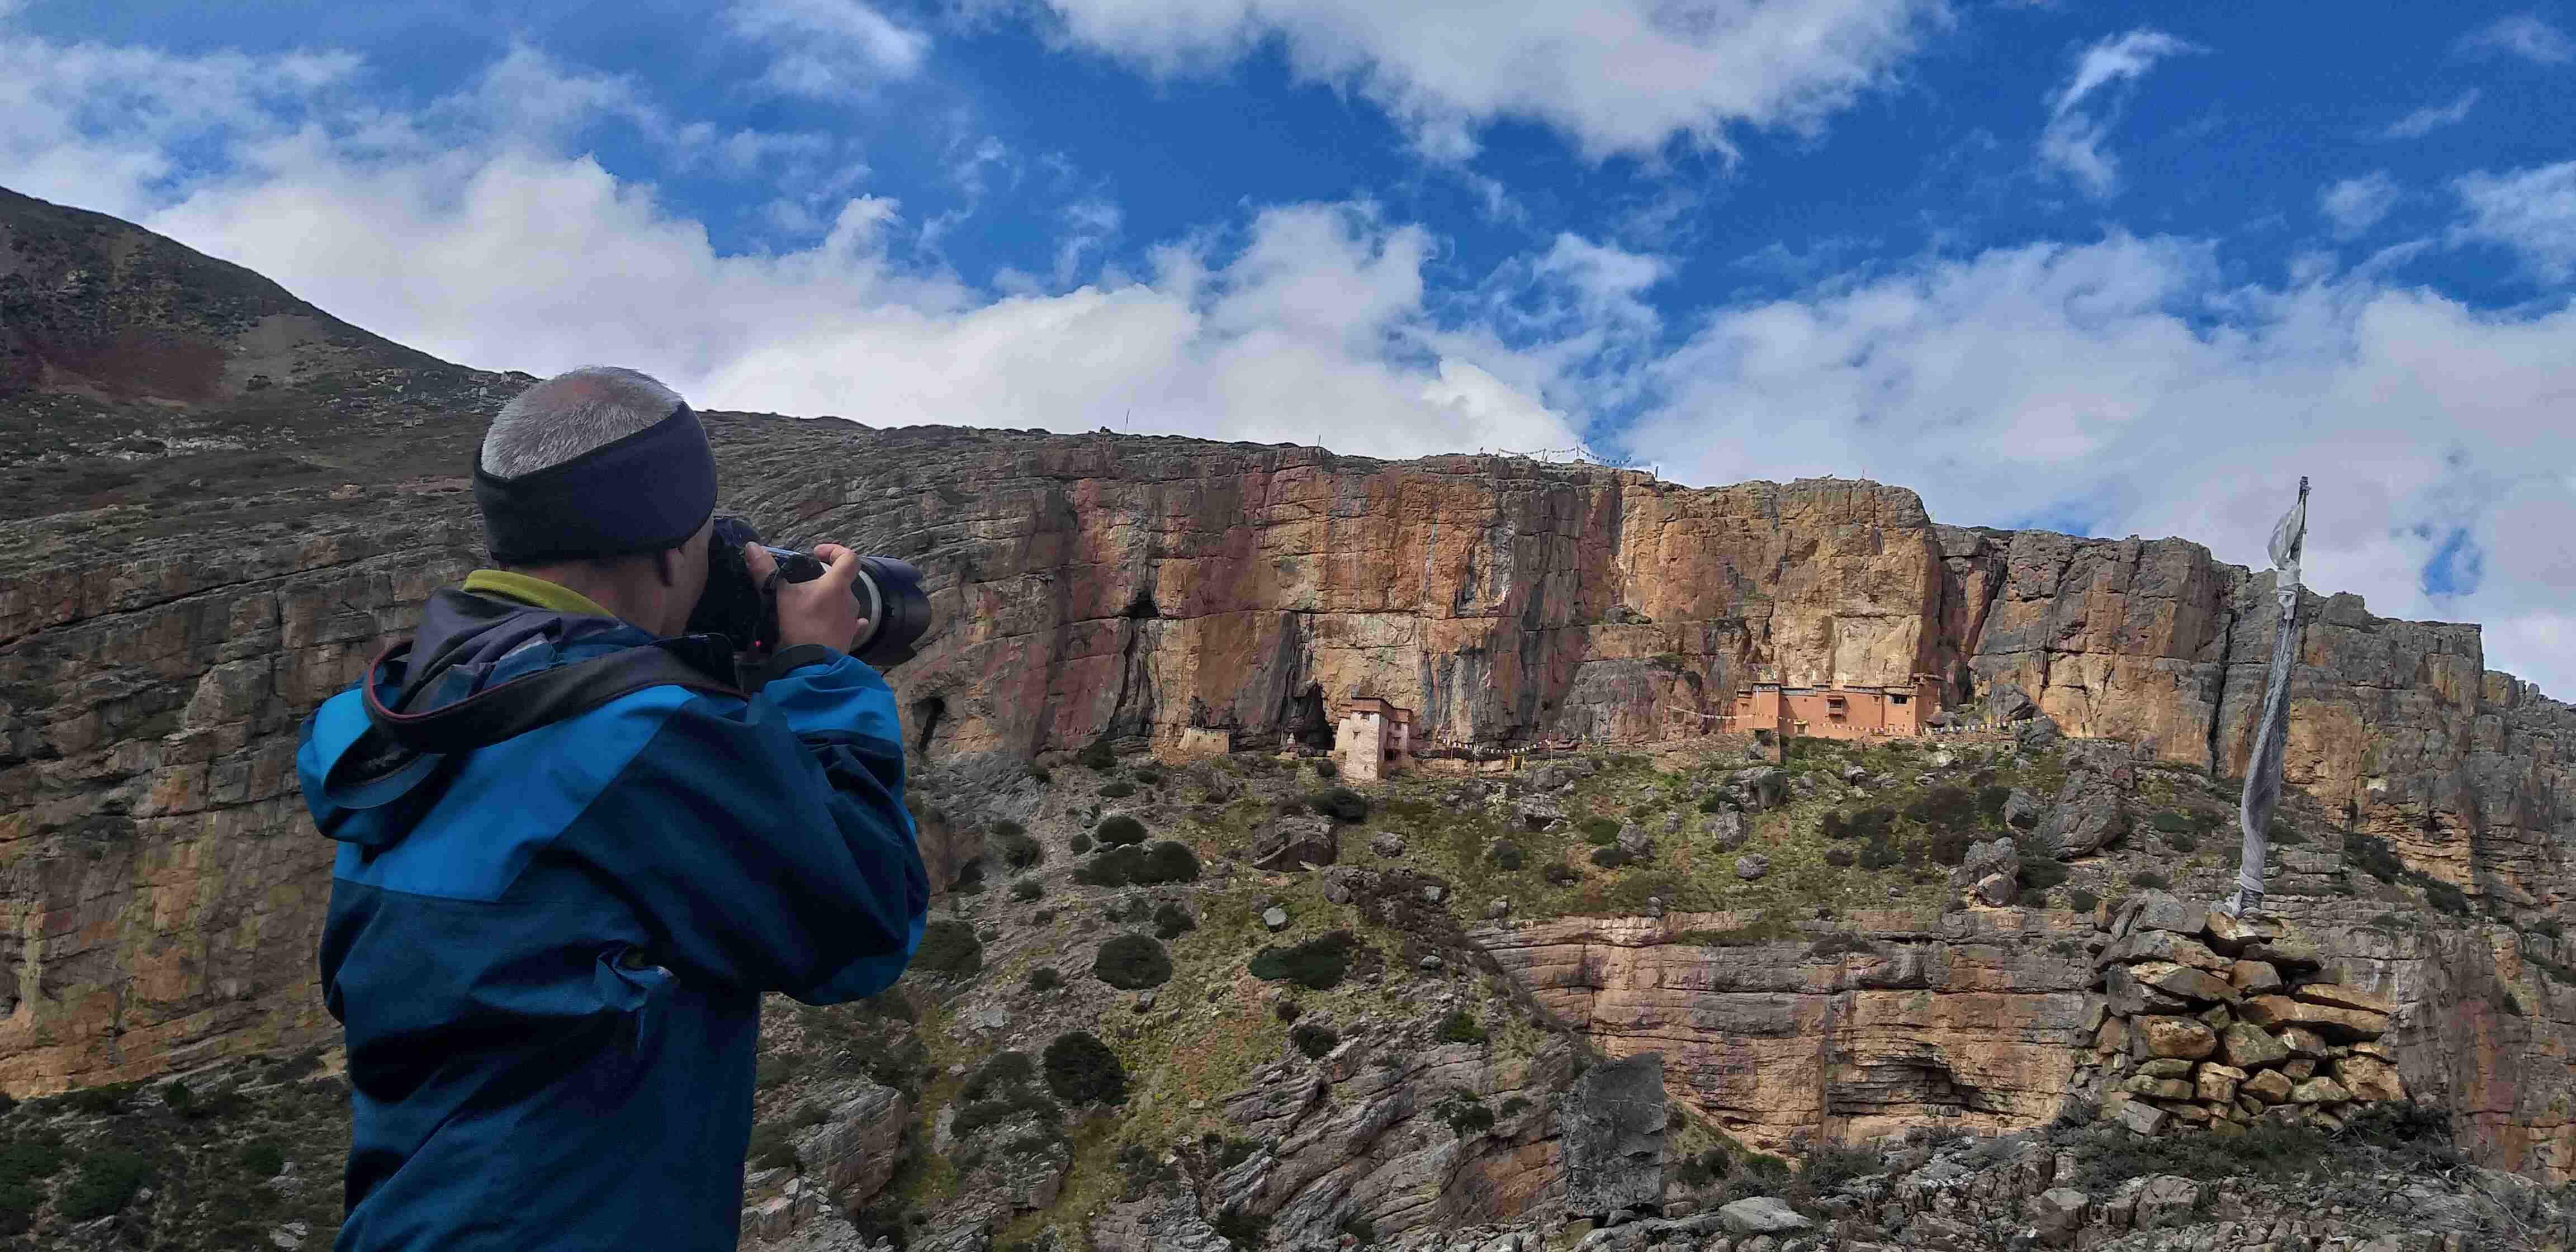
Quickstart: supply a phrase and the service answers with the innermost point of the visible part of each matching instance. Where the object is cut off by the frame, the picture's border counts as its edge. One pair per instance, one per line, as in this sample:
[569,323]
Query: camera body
[740,608]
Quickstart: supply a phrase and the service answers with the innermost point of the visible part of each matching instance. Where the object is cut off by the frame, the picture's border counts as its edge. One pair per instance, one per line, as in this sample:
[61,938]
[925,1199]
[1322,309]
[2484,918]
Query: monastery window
[1896,699]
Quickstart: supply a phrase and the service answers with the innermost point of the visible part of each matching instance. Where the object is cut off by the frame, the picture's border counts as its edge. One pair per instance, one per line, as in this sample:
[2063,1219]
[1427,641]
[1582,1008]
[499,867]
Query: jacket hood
[465,643]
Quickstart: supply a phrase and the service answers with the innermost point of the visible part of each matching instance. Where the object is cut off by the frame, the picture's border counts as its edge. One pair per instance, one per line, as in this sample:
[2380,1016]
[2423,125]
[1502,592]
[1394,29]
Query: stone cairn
[2210,1022]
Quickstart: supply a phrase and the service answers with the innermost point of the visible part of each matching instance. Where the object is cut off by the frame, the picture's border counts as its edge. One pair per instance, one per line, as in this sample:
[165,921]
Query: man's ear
[666,565]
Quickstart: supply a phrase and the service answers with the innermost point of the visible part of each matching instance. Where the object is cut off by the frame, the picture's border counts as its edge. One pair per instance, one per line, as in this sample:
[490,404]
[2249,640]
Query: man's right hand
[821,611]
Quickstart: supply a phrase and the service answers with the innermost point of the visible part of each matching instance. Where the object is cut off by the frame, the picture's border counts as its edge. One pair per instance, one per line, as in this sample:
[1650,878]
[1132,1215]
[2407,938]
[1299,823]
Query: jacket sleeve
[767,842]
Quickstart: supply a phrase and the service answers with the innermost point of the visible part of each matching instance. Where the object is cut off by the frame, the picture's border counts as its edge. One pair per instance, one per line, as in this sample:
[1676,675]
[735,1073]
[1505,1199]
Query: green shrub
[1458,1027]
[1016,848]
[1947,847]
[949,948]
[1600,829]
[1241,1230]
[777,1070]
[1717,802]
[2445,897]
[1001,1073]
[2040,871]
[263,1159]
[2286,835]
[1080,1069]
[1099,756]
[1506,857]
[1313,1040]
[2149,879]
[1118,790]
[1146,776]
[1167,862]
[1170,922]
[1362,1231]
[2170,823]
[1027,889]
[25,1160]
[1041,773]
[2081,901]
[2182,843]
[1132,963]
[1514,1106]
[107,1179]
[773,1146]
[1991,801]
[1080,843]
[1879,854]
[2034,899]
[1340,804]
[1317,964]
[2512,1007]
[1044,979]
[1325,767]
[1945,809]
[2373,856]
[1467,1117]
[1870,823]
[1119,830]
[1831,1168]
[1611,857]
[1560,873]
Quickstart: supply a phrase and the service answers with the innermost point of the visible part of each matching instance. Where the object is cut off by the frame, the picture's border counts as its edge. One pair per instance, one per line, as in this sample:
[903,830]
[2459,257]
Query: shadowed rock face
[173,603]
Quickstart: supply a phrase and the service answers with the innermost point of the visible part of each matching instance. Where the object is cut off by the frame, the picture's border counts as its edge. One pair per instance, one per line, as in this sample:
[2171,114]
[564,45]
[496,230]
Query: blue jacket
[549,955]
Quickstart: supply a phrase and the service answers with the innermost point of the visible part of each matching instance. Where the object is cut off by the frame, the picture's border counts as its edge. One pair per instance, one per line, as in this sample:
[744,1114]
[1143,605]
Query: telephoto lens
[888,590]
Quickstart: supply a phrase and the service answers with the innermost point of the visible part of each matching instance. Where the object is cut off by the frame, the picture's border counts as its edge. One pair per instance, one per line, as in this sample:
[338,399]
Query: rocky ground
[1235,1003]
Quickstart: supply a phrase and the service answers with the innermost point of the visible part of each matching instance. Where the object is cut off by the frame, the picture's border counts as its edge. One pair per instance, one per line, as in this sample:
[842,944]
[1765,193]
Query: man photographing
[577,846]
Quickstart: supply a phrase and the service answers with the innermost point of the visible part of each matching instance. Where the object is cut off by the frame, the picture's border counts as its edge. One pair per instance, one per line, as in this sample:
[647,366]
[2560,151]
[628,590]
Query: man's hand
[821,611]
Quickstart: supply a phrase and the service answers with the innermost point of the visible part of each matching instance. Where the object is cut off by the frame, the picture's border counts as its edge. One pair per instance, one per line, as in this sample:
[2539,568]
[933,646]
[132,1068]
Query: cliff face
[194,565]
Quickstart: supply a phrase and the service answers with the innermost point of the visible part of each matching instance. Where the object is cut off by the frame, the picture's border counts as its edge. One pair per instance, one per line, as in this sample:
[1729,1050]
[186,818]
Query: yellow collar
[510,585]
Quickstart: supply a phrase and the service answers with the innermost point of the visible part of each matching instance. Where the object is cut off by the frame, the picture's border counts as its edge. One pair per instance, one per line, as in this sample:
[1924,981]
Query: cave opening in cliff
[926,713]
[1306,722]
[1142,606]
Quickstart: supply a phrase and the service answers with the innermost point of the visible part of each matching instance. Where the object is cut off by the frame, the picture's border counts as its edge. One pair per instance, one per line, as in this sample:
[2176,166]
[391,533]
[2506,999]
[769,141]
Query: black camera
[741,609]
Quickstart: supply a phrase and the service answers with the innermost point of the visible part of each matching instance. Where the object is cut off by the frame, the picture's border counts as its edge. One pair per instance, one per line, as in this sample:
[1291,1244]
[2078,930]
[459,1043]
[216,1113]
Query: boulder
[2184,981]
[2148,944]
[1761,1215]
[2338,996]
[1752,866]
[1612,1130]
[2254,977]
[852,1153]
[2216,1084]
[2319,1091]
[2056,1215]
[2267,1086]
[2081,827]
[2158,1088]
[2231,935]
[2128,997]
[1726,830]
[2287,955]
[2140,1116]
[2158,910]
[1636,843]
[2369,1078]
[2340,1024]
[2184,1037]
[2298,1069]
[2302,1041]
[1996,890]
[2248,1047]
[1295,843]
[2166,1200]
[2166,1067]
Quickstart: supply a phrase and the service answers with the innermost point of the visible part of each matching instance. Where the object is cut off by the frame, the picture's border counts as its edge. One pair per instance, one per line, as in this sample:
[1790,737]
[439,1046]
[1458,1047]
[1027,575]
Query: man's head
[599,479]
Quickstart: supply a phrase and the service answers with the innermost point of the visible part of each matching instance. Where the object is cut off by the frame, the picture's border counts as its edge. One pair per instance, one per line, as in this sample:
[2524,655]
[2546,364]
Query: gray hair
[570,414]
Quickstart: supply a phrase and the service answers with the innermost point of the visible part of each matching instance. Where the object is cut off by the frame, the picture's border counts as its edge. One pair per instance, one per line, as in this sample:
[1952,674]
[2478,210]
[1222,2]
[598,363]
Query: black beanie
[644,493]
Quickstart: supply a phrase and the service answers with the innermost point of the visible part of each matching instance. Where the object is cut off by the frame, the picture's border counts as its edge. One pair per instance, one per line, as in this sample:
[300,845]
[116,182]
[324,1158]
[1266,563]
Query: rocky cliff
[220,500]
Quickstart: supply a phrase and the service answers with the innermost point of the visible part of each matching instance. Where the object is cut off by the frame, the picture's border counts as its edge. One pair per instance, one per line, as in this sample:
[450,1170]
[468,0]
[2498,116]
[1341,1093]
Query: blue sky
[2110,268]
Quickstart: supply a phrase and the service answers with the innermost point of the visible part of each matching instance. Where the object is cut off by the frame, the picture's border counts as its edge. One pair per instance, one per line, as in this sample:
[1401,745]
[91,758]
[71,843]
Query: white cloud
[2523,35]
[2078,123]
[2532,211]
[476,230]
[828,48]
[2354,205]
[1618,76]
[2129,385]
[2430,118]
